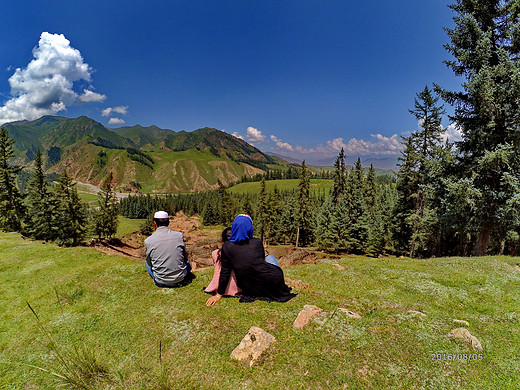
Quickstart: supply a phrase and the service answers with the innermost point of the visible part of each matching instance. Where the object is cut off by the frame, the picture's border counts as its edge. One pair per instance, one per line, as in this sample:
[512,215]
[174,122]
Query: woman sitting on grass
[257,276]
[232,288]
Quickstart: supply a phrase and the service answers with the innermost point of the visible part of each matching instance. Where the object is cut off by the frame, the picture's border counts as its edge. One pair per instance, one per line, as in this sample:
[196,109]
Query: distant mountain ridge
[155,159]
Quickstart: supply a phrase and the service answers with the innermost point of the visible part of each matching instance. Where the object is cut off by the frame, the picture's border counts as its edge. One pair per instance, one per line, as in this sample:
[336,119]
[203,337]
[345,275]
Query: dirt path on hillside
[200,242]
[95,189]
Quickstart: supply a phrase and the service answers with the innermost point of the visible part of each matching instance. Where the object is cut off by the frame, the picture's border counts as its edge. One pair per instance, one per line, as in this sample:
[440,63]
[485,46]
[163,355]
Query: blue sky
[300,78]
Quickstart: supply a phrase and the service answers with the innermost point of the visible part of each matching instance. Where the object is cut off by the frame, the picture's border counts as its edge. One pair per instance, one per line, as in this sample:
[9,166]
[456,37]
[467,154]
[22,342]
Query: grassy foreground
[102,323]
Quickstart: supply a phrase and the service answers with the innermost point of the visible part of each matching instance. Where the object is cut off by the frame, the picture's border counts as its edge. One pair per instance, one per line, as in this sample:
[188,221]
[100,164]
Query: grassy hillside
[286,184]
[186,171]
[108,309]
[159,160]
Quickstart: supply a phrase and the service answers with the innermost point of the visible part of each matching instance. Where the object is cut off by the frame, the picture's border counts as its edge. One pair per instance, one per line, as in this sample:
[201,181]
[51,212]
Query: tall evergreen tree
[41,205]
[12,209]
[72,213]
[415,219]
[274,202]
[262,214]
[327,227]
[288,221]
[427,140]
[226,207]
[375,242]
[340,176]
[485,44]
[357,221]
[304,222]
[105,218]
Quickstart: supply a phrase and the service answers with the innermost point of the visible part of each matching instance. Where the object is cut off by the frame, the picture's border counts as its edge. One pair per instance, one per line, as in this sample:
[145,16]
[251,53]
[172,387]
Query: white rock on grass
[349,313]
[255,342]
[417,312]
[305,316]
[463,333]
[463,322]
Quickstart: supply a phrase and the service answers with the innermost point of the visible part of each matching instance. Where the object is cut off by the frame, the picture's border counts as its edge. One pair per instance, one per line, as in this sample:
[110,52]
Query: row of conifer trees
[51,211]
[354,217]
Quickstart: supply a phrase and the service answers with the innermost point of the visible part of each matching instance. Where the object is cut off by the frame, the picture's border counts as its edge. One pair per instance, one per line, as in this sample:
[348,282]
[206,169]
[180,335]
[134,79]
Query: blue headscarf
[242,228]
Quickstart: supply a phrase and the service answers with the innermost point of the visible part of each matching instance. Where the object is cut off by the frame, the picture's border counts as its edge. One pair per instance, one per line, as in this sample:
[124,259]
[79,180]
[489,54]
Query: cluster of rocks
[257,340]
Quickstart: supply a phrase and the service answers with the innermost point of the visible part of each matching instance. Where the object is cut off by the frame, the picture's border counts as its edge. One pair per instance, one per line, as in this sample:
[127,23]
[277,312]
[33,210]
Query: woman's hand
[214,299]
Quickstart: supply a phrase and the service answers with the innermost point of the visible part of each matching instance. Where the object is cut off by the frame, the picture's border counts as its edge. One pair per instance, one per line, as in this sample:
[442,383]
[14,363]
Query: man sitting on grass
[166,256]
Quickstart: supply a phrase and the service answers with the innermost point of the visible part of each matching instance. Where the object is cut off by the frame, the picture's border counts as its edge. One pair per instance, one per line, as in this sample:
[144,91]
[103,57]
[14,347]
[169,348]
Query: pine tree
[210,214]
[357,221]
[105,218]
[327,227]
[288,222]
[304,224]
[12,209]
[340,176]
[41,205]
[72,213]
[262,216]
[226,207]
[427,147]
[375,240]
[485,44]
[416,220]
[275,215]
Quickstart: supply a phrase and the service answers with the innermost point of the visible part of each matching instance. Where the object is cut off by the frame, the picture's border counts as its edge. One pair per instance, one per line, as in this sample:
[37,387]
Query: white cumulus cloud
[452,133]
[123,110]
[90,96]
[116,121]
[377,145]
[45,85]
[281,144]
[236,135]
[254,135]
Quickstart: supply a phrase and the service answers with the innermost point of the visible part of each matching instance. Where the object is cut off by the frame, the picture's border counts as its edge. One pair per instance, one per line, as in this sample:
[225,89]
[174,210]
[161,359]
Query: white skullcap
[161,215]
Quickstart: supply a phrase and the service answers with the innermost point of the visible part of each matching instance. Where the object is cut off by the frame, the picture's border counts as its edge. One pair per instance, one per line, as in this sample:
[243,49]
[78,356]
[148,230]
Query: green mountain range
[147,158]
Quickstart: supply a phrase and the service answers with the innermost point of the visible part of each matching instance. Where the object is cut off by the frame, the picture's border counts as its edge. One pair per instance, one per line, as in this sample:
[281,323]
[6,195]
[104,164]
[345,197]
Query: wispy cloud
[45,85]
[116,121]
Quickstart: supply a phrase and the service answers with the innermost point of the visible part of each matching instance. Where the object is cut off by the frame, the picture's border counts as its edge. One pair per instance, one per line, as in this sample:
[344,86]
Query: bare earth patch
[199,242]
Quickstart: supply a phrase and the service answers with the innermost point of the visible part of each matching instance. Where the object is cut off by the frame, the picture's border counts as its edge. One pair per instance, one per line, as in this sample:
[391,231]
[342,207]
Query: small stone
[349,313]
[254,343]
[339,267]
[463,322]
[297,284]
[463,333]
[417,312]
[305,316]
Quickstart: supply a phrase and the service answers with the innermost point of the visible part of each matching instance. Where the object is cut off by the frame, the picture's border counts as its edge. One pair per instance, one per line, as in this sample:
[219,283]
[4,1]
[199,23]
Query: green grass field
[101,321]
[127,226]
[286,184]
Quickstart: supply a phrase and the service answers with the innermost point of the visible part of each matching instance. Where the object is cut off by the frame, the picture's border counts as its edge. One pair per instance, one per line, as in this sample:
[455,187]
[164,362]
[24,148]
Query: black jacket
[256,278]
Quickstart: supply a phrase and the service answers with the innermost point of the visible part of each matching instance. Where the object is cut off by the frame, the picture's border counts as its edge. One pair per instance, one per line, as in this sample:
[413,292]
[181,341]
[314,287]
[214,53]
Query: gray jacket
[167,256]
